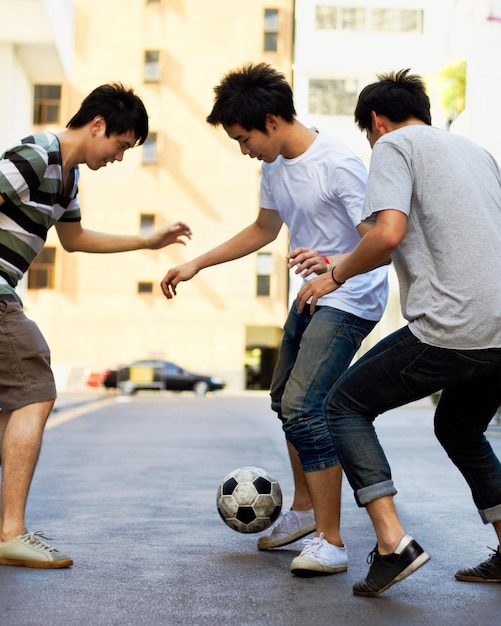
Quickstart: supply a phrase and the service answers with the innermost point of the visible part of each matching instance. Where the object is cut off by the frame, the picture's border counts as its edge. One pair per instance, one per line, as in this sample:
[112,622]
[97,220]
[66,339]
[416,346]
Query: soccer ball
[249,500]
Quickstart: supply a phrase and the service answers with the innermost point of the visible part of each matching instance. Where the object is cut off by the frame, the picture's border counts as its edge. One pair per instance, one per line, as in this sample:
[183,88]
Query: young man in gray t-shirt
[434,202]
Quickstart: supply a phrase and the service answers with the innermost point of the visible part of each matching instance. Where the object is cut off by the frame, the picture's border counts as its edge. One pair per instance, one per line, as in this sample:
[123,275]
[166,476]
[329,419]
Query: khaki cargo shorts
[25,373]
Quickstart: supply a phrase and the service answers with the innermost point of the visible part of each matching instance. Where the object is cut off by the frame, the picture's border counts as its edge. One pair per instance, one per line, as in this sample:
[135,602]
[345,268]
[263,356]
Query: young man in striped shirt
[38,189]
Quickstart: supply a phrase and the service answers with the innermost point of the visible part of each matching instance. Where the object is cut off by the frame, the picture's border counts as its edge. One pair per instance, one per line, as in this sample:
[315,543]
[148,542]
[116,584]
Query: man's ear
[271,121]
[98,125]
[377,122]
[381,124]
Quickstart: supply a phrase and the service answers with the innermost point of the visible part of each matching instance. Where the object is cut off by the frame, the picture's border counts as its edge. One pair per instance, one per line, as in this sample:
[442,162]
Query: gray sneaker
[29,550]
[291,526]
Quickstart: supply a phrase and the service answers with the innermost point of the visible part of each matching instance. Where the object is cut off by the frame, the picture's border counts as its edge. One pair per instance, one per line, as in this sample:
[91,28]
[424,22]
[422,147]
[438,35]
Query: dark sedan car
[164,375]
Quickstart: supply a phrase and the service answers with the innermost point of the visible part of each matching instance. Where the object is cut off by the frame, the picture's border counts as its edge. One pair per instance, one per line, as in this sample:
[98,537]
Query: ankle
[333,538]
[8,534]
[393,546]
[298,508]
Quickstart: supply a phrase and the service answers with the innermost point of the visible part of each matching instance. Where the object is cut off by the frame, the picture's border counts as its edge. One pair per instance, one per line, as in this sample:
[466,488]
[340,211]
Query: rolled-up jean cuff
[491,515]
[373,492]
[321,465]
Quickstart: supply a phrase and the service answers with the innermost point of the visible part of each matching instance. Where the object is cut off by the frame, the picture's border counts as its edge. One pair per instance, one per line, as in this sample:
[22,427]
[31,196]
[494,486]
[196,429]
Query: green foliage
[452,88]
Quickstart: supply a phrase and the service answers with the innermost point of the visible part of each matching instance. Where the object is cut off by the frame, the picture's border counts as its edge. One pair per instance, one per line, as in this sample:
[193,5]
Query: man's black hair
[397,95]
[121,109]
[247,95]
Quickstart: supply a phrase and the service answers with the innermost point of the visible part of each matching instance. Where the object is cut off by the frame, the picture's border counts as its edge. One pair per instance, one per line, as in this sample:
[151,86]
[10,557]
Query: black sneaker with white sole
[389,569]
[489,571]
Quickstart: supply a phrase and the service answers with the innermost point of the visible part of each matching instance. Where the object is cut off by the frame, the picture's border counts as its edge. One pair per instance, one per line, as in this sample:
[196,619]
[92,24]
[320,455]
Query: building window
[47,104]
[326,17]
[152,66]
[146,224]
[150,149]
[396,20]
[332,97]
[41,272]
[340,18]
[144,287]
[270,30]
[353,18]
[383,20]
[264,272]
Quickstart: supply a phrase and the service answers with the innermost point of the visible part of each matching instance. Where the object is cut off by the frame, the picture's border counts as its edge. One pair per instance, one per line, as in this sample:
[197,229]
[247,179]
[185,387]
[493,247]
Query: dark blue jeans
[399,370]
[315,350]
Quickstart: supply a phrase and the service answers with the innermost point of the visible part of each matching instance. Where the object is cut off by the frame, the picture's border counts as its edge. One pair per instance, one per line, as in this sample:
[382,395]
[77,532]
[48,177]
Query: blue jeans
[399,370]
[315,350]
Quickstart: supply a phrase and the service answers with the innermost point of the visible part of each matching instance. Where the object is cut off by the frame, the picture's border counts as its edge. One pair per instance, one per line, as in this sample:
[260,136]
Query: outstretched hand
[174,233]
[175,276]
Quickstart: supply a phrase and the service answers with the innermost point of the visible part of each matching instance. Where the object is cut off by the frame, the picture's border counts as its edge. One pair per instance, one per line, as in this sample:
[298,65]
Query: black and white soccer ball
[249,500]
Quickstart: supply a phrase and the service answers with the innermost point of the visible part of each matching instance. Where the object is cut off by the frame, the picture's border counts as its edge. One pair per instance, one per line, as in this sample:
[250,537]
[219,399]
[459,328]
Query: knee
[445,426]
[38,411]
[453,439]
[277,408]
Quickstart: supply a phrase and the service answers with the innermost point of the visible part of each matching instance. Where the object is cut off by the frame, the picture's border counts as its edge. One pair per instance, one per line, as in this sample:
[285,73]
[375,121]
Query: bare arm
[375,249]
[74,238]
[261,232]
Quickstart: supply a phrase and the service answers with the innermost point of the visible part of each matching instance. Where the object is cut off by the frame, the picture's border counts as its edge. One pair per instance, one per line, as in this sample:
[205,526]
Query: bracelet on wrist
[327,262]
[336,282]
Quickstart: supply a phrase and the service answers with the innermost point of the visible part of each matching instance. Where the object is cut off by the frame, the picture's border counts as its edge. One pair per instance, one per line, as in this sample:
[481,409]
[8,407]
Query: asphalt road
[128,487]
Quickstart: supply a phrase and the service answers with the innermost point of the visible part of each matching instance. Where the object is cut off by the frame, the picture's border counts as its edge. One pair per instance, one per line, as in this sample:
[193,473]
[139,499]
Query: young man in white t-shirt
[315,185]
[434,200]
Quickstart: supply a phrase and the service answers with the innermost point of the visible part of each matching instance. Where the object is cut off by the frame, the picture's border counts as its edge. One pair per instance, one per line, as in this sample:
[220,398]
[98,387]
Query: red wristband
[327,262]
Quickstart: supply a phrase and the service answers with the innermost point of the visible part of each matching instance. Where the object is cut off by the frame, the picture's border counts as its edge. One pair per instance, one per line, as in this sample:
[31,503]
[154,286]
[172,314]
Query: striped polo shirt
[31,185]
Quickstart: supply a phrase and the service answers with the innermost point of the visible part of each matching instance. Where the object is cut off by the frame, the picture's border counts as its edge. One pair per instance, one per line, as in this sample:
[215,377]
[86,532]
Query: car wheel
[127,387]
[201,387]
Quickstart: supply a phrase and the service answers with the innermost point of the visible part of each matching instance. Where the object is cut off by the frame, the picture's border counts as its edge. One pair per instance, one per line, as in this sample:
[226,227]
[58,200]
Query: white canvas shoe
[291,526]
[320,557]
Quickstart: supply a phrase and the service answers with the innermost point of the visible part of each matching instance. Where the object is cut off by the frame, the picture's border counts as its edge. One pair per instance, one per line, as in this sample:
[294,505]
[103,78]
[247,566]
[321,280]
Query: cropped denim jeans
[399,370]
[315,350]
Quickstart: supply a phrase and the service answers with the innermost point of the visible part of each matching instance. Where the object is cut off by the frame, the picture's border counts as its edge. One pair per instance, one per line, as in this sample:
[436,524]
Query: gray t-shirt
[449,262]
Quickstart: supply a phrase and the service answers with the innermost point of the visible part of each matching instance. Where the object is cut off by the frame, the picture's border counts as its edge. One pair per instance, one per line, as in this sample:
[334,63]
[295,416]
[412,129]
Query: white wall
[16,101]
[483,83]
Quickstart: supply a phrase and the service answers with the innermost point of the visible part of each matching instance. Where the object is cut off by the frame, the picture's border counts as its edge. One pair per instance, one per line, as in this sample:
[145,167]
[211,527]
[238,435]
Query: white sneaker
[320,557]
[291,526]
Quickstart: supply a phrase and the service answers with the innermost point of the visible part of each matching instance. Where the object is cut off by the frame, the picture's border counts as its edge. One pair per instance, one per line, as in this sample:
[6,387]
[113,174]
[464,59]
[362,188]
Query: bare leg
[3,424]
[497,528]
[386,523]
[325,554]
[22,440]
[325,488]
[295,524]
[302,499]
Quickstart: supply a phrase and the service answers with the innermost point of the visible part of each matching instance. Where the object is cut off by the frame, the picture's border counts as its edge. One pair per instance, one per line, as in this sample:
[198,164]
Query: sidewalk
[73,399]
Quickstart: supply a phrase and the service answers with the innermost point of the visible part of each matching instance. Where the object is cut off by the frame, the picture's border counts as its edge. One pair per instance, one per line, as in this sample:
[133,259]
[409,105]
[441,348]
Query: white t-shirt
[319,196]
[449,262]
